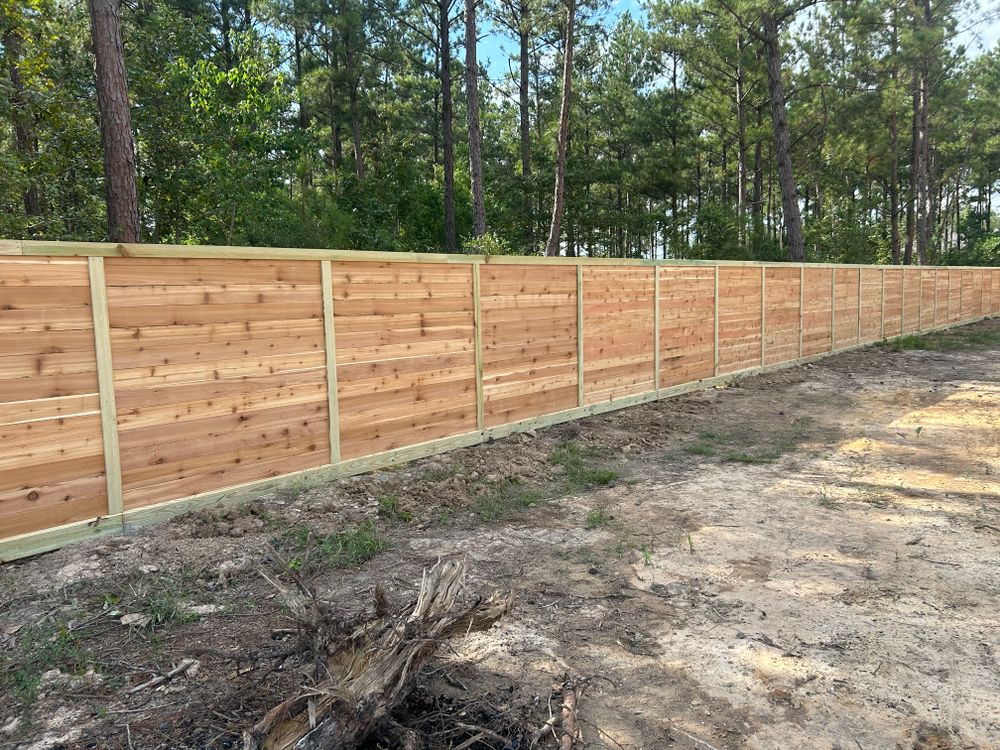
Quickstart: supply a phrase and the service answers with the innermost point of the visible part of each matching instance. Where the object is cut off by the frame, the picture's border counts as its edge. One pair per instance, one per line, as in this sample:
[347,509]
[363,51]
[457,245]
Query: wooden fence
[141,381]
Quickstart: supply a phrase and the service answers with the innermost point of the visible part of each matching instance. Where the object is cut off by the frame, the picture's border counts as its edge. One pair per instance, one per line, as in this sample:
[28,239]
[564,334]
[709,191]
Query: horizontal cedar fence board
[219,371]
[52,462]
[529,341]
[618,332]
[781,314]
[687,324]
[405,354]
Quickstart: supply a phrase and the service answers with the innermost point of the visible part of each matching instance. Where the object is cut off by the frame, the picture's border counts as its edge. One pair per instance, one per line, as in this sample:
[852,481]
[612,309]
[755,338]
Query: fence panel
[782,329]
[846,292]
[739,318]
[132,388]
[219,372]
[529,341]
[406,366]
[52,463]
[618,332]
[687,324]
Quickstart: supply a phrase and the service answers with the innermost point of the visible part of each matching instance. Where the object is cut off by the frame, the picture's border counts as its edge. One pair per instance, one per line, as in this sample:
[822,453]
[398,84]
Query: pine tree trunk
[448,136]
[782,143]
[525,124]
[475,136]
[116,121]
[559,194]
[741,146]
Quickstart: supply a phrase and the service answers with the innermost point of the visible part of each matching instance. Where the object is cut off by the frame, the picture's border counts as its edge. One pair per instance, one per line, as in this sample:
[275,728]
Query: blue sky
[495,49]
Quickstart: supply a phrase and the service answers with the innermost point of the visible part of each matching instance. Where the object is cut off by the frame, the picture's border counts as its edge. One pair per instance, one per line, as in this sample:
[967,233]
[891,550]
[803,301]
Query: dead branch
[369,671]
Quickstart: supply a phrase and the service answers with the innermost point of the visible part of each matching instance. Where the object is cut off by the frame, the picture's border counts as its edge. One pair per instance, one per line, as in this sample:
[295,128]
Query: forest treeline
[846,131]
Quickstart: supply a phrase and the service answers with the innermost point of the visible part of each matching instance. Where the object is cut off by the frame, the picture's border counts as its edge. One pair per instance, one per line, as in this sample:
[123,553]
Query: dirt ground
[807,559]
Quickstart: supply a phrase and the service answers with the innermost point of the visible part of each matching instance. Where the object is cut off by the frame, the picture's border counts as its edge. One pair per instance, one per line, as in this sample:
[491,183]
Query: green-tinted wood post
[833,309]
[477,322]
[763,312]
[330,344]
[715,355]
[802,305]
[859,305]
[902,299]
[882,312]
[579,335]
[920,297]
[656,328]
[106,385]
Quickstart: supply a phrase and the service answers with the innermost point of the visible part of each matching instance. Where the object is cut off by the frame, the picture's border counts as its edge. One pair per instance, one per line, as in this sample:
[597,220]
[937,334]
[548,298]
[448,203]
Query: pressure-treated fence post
[860,270]
[920,297]
[477,322]
[882,313]
[579,335]
[656,328]
[715,354]
[330,343]
[106,385]
[902,300]
[833,309]
[802,306]
[763,310]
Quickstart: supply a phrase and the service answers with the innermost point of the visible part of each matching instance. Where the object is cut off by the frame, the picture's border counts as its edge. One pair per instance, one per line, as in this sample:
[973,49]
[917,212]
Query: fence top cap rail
[223,252]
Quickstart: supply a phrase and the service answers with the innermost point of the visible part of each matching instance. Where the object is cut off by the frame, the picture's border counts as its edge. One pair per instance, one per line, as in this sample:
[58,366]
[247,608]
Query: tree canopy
[344,123]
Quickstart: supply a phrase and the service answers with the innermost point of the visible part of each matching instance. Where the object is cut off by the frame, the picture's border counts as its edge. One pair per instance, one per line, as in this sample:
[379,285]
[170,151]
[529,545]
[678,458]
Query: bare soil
[807,559]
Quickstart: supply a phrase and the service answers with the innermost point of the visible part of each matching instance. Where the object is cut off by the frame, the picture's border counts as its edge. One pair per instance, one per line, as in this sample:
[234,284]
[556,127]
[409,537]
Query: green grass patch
[700,449]
[578,471]
[749,444]
[506,498]
[342,549]
[40,648]
[391,507]
[957,339]
[598,517]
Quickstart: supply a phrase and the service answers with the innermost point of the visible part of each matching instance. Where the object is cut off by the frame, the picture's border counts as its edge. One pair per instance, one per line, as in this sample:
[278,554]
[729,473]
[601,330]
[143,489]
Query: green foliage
[392,508]
[40,648]
[598,517]
[578,472]
[962,339]
[342,549]
[245,118]
[505,498]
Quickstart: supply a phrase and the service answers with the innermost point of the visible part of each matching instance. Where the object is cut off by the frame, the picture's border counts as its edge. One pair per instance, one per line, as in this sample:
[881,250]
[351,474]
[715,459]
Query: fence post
[833,309]
[579,335]
[106,385]
[860,270]
[715,355]
[902,299]
[882,313]
[920,297]
[656,328]
[330,343]
[763,311]
[802,310]
[477,327]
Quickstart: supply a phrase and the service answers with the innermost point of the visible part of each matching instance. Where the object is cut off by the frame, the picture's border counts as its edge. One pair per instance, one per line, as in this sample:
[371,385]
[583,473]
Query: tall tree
[116,121]
[562,143]
[472,112]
